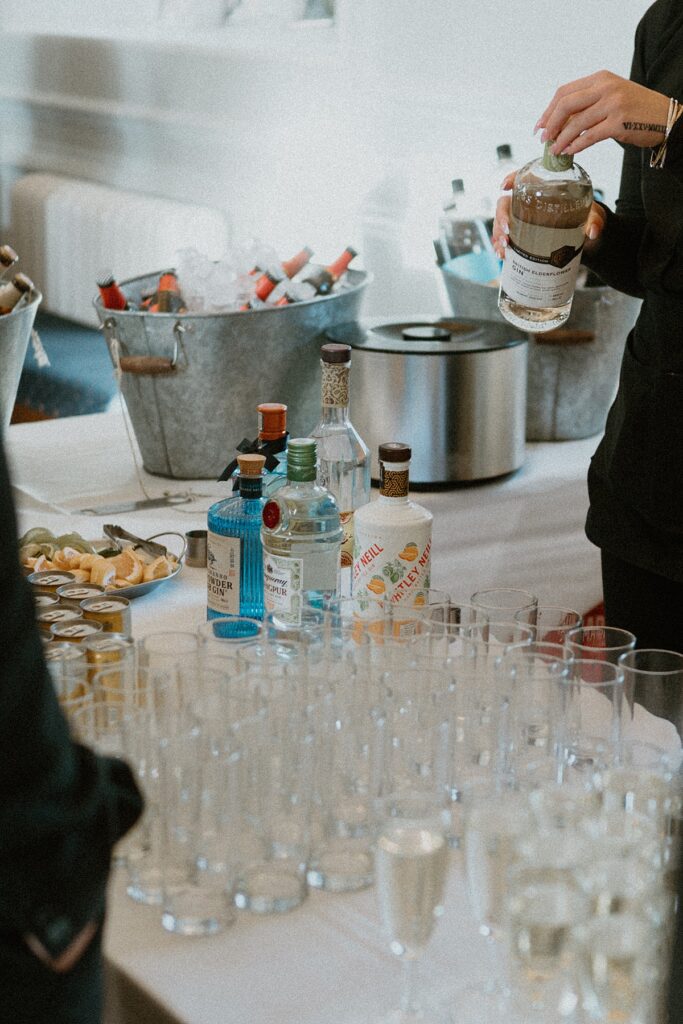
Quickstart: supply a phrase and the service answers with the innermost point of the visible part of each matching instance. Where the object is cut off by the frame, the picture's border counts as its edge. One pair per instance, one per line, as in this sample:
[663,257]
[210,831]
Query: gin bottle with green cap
[301,534]
[551,200]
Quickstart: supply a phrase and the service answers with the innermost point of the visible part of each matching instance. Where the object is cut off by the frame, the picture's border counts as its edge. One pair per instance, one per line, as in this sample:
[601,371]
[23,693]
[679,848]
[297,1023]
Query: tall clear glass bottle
[234,557]
[301,534]
[503,166]
[551,200]
[461,231]
[393,537]
[343,456]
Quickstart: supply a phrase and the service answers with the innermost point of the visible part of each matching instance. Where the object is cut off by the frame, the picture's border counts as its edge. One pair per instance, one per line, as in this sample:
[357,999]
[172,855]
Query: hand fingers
[70,956]
[588,138]
[567,108]
[578,85]
[508,181]
[585,120]
[501,225]
[595,223]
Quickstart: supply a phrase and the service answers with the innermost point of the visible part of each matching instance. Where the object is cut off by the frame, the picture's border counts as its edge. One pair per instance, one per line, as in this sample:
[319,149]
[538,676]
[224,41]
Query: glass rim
[512,624]
[542,608]
[640,651]
[605,629]
[525,651]
[591,664]
[531,601]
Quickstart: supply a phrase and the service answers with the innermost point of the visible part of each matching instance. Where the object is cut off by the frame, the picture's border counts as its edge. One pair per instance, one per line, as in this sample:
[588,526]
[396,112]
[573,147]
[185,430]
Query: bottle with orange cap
[323,279]
[275,275]
[271,441]
[110,291]
[168,298]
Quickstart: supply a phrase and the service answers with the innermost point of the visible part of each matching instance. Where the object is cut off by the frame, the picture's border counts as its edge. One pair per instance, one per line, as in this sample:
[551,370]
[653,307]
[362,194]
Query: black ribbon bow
[256,447]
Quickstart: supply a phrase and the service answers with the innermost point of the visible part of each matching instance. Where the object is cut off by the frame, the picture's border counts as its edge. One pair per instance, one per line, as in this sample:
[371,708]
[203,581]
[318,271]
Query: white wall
[304,135]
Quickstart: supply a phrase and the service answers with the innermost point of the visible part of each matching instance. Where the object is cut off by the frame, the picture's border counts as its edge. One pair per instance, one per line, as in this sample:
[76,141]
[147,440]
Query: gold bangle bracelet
[658,155]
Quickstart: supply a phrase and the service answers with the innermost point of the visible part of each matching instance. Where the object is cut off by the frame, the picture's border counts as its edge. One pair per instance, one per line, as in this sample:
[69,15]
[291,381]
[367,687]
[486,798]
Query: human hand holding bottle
[603,106]
[600,106]
[501,223]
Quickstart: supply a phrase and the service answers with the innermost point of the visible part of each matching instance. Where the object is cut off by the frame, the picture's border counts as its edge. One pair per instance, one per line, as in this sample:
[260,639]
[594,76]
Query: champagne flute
[495,819]
[411,860]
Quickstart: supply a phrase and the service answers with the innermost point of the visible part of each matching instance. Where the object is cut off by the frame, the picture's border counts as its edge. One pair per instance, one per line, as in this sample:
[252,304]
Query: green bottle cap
[561,162]
[301,459]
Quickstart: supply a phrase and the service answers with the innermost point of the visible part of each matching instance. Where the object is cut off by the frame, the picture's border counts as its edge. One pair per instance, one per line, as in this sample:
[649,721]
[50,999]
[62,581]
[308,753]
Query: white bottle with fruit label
[393,538]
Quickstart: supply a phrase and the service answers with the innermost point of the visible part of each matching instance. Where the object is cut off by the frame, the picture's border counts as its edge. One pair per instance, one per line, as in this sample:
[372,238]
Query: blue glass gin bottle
[234,559]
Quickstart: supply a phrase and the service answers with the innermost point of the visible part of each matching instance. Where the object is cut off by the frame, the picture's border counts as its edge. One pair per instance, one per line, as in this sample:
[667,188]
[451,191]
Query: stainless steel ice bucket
[192,382]
[15,333]
[454,389]
[573,372]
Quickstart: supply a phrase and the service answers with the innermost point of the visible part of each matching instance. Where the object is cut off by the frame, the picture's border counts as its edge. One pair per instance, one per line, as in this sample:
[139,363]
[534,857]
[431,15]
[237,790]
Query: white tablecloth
[327,962]
[525,530]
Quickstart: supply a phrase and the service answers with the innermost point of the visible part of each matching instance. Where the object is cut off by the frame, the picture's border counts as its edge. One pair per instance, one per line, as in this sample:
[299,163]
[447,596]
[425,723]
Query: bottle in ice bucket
[168,298]
[233,551]
[274,275]
[110,292]
[324,279]
[393,537]
[551,200]
[301,535]
[16,293]
[8,258]
[343,457]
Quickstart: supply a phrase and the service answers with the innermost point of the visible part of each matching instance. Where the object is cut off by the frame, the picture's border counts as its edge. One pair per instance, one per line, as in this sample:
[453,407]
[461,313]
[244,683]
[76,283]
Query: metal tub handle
[147,366]
[564,336]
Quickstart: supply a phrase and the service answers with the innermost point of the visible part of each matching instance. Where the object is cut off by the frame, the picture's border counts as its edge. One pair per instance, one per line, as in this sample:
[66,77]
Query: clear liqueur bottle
[551,199]
[301,535]
[393,538]
[343,457]
[234,556]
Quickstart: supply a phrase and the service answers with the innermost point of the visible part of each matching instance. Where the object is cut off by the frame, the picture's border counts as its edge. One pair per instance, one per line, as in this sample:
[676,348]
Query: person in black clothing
[62,809]
[635,479]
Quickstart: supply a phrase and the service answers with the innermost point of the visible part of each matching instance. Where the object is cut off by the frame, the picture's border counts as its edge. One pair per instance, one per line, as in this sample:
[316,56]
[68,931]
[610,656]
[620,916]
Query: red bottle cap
[272,420]
[271,514]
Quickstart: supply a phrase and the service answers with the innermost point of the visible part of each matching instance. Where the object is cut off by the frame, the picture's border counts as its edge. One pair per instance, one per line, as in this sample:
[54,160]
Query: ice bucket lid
[427,336]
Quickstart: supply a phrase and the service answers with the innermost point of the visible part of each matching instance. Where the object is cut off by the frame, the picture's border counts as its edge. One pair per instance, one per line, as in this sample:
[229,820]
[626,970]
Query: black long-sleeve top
[636,476]
[62,809]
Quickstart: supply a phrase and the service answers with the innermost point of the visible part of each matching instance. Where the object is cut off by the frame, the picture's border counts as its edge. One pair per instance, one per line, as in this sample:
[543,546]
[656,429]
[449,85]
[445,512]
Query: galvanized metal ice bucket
[15,333]
[573,372]
[192,382]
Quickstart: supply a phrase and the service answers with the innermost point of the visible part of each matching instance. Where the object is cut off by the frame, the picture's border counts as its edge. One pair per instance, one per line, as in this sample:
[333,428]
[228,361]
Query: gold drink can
[48,616]
[75,632]
[43,601]
[47,581]
[110,656]
[67,665]
[71,594]
[113,613]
